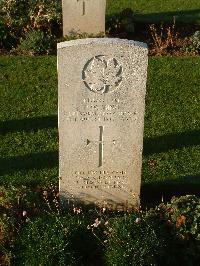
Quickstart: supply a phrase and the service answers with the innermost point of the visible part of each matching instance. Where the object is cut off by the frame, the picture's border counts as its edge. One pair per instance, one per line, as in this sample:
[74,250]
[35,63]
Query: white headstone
[83,16]
[102,85]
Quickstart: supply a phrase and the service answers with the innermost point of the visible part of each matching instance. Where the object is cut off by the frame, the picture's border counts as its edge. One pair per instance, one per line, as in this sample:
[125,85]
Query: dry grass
[164,38]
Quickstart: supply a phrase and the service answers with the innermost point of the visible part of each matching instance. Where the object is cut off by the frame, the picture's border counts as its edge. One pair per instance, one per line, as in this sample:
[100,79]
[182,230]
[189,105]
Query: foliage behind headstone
[21,16]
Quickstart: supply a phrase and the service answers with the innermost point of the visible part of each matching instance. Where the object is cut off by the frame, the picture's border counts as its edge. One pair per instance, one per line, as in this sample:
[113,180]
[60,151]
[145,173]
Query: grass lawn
[187,11]
[28,124]
[171,163]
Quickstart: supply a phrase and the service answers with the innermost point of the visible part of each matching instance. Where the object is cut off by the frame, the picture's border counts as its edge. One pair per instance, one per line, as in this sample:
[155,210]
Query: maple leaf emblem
[102,74]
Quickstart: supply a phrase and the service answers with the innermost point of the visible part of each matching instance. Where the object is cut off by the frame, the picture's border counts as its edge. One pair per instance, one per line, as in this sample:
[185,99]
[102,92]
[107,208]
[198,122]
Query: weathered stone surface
[102,85]
[83,16]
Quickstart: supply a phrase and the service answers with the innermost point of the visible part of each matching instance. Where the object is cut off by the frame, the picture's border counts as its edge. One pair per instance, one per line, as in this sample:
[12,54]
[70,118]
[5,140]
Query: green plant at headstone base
[14,204]
[167,235]
[132,240]
[41,221]
[37,42]
[57,240]
[184,214]
[43,241]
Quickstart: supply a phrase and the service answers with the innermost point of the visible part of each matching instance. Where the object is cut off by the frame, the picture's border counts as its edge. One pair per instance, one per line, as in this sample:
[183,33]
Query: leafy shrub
[33,14]
[181,219]
[196,40]
[22,16]
[15,12]
[37,42]
[167,235]
[184,215]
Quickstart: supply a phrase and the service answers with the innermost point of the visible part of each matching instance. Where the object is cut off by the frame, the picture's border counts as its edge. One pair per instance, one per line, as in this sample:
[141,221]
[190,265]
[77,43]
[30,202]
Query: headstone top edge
[90,41]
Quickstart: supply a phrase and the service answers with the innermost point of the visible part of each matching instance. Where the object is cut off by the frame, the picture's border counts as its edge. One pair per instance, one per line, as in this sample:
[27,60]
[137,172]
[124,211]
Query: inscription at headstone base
[102,86]
[83,16]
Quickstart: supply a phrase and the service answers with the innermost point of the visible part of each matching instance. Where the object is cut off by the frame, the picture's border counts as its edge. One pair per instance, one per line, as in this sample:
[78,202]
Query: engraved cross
[83,6]
[101,143]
